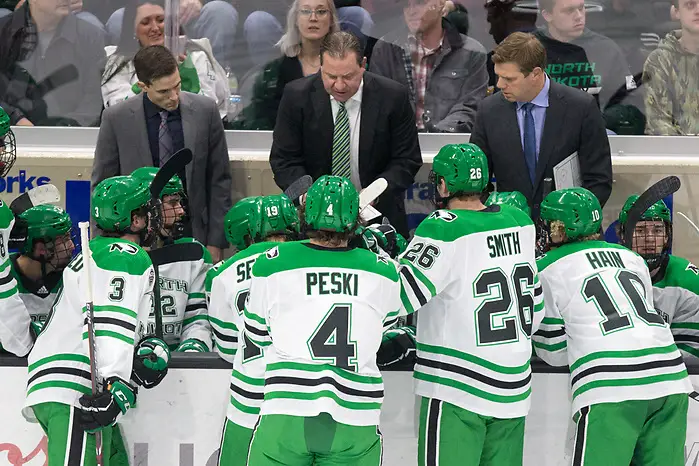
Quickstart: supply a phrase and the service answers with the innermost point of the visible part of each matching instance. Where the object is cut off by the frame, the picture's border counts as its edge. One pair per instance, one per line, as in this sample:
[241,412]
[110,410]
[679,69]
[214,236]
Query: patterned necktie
[341,144]
[164,139]
[530,141]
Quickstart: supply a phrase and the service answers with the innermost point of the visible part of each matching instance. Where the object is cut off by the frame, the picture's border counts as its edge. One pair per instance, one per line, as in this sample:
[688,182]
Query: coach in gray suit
[535,123]
[146,130]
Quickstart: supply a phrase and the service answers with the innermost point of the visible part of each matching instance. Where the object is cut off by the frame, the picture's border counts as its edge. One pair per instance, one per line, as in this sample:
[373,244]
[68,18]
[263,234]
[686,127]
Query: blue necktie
[530,141]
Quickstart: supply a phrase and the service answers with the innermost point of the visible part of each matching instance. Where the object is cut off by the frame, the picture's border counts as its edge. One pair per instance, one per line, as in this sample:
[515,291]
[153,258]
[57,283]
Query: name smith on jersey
[504,244]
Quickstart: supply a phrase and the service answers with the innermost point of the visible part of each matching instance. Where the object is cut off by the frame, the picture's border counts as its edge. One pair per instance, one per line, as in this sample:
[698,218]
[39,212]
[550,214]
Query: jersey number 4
[595,290]
[494,286]
[331,340]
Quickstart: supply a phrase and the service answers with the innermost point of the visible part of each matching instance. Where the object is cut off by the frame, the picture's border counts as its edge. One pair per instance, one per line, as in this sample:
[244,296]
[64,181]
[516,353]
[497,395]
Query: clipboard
[566,174]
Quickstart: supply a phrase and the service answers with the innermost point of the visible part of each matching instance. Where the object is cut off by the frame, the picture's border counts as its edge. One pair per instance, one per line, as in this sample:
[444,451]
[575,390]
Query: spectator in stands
[144,26]
[51,63]
[579,57]
[308,22]
[148,128]
[672,77]
[347,122]
[215,20]
[506,17]
[534,123]
[76,8]
[445,71]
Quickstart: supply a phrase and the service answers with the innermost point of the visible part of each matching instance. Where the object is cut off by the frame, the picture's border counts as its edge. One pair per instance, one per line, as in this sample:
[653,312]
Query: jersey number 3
[494,286]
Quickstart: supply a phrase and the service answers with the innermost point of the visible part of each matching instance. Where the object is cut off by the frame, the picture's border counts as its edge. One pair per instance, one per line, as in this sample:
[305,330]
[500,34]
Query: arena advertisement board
[179,423]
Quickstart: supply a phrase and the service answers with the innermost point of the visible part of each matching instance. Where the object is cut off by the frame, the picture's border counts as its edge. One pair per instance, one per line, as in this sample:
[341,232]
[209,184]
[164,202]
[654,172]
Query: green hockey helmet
[463,167]
[174,186]
[512,198]
[241,223]
[657,211]
[279,217]
[115,199]
[8,144]
[577,208]
[332,204]
[44,223]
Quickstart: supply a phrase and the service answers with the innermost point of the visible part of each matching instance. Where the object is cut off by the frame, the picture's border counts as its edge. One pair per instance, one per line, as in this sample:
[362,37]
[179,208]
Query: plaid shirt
[419,63]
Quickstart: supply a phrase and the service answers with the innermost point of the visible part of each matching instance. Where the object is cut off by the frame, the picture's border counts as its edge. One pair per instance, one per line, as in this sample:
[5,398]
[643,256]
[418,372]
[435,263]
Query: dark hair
[154,62]
[521,48]
[339,44]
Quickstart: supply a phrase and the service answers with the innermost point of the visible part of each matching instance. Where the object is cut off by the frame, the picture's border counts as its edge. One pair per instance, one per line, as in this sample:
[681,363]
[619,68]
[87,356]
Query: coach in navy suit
[535,123]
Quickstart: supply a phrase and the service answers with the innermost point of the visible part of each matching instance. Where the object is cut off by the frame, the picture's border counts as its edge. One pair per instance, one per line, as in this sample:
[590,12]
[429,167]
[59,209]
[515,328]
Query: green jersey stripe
[60,384]
[420,276]
[197,295]
[116,309]
[248,380]
[630,382]
[555,347]
[255,317]
[473,359]
[472,390]
[8,293]
[246,409]
[110,334]
[688,349]
[224,350]
[406,301]
[191,320]
[687,325]
[539,307]
[622,354]
[60,357]
[4,265]
[359,406]
[552,321]
[222,324]
[299,366]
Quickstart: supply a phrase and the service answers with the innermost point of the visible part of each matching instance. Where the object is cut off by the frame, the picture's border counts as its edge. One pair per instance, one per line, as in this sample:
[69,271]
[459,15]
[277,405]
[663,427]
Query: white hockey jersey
[473,276]
[15,336]
[182,269]
[319,314]
[38,298]
[600,321]
[122,282]
[228,288]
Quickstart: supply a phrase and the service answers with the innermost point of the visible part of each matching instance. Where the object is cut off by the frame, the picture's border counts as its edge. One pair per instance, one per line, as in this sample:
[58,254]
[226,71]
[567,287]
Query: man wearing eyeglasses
[350,123]
[447,75]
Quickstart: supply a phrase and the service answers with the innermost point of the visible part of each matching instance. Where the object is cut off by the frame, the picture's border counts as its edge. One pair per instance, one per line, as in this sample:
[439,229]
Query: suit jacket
[573,123]
[122,147]
[388,143]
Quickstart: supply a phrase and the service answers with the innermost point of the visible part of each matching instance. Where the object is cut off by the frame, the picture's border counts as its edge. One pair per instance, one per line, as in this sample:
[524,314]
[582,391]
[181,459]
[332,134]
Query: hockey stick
[368,195]
[650,196]
[694,225]
[44,194]
[298,188]
[90,319]
[172,167]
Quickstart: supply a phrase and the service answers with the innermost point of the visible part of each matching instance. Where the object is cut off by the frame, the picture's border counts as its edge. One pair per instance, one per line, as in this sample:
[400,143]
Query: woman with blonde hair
[143,26]
[308,22]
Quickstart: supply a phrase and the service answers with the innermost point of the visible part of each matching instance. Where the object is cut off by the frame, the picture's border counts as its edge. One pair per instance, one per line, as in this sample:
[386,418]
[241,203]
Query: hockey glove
[384,237]
[37,327]
[192,345]
[397,345]
[150,362]
[102,410]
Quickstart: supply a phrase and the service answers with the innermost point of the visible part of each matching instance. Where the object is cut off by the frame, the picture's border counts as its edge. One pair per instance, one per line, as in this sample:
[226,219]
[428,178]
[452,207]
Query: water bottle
[234,99]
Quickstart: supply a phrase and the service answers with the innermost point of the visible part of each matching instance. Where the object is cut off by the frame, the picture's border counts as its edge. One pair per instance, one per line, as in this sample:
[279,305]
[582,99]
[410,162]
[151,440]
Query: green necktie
[341,144]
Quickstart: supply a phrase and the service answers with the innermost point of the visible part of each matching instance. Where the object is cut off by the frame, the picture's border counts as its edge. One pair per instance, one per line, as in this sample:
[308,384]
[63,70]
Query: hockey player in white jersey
[253,226]
[628,382]
[512,198]
[318,309]
[182,266]
[59,392]
[471,271]
[15,334]
[675,279]
[38,267]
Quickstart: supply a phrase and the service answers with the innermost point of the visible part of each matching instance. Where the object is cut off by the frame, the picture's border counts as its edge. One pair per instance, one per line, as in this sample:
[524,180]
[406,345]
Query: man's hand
[24,122]
[76,6]
[192,345]
[216,253]
[189,10]
[151,360]
[102,410]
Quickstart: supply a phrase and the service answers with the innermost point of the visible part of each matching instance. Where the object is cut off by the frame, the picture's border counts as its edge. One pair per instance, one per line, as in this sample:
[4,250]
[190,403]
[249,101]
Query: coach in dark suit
[348,122]
[147,129]
[535,123]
